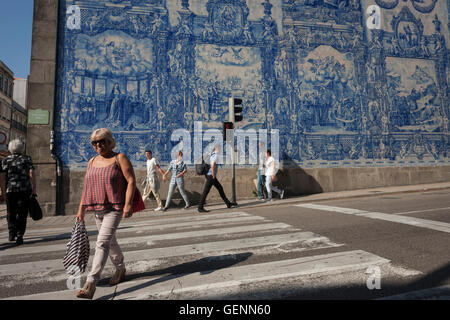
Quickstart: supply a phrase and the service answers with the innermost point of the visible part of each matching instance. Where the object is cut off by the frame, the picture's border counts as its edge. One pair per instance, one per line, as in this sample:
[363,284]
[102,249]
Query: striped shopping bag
[77,253]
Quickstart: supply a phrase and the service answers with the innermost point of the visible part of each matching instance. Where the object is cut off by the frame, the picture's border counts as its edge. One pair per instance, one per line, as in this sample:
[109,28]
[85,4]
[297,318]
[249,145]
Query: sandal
[118,277]
[88,291]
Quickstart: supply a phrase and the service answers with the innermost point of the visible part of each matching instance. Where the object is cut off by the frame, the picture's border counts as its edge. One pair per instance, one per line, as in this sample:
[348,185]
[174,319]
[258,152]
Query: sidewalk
[244,203]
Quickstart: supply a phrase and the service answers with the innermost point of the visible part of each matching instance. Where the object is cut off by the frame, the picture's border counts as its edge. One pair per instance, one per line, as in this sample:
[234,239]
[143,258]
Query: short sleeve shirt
[176,168]
[151,166]
[270,164]
[17,169]
[212,160]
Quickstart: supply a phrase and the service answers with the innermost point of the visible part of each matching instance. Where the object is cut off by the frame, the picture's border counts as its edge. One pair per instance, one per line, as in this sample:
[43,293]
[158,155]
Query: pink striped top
[104,188]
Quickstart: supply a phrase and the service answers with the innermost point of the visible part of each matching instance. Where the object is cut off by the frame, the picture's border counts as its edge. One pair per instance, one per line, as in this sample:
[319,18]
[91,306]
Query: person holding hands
[178,169]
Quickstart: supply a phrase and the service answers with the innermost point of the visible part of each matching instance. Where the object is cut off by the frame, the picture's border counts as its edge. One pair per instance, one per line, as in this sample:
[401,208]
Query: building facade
[6,107]
[358,89]
[19,114]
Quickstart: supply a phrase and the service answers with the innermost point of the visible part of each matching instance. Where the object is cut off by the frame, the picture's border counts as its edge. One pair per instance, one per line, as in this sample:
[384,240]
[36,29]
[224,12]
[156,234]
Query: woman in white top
[270,176]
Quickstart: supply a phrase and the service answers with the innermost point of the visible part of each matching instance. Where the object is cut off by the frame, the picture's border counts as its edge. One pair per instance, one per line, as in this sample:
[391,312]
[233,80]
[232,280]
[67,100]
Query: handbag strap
[117,162]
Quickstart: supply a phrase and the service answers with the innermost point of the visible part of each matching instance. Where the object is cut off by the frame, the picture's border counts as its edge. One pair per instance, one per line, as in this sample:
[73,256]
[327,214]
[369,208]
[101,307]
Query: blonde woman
[108,191]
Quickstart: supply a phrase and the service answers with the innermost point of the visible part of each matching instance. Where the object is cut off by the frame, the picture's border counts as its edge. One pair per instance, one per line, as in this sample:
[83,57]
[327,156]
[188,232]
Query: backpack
[201,168]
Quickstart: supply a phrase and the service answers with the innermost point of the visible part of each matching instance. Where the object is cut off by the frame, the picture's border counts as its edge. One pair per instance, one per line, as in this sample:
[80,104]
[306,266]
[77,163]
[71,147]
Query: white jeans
[107,224]
[270,187]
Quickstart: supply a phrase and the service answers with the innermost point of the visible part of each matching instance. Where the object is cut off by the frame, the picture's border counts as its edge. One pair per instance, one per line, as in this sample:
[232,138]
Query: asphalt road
[355,248]
[411,247]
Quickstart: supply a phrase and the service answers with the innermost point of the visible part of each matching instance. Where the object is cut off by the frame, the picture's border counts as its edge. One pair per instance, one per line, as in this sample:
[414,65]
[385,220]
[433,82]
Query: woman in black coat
[18,184]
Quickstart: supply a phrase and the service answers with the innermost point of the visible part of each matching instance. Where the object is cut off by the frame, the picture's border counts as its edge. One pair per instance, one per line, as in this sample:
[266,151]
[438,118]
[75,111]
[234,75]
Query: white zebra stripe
[416,222]
[163,286]
[218,247]
[158,237]
[154,219]
[161,227]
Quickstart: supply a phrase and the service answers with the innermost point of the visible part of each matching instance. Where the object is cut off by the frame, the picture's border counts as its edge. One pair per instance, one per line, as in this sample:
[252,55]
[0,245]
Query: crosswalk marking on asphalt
[417,222]
[159,237]
[36,237]
[230,277]
[190,225]
[162,242]
[174,221]
[169,252]
[421,211]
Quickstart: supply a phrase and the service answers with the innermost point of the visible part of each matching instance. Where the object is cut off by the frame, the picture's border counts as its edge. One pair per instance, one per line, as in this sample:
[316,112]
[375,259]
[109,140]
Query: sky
[16,24]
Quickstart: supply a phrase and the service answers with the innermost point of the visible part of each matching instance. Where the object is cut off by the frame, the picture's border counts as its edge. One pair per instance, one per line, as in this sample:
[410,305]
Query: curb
[348,194]
[254,203]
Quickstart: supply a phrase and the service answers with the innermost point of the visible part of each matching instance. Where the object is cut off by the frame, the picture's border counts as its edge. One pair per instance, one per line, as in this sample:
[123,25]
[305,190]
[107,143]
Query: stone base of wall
[296,181]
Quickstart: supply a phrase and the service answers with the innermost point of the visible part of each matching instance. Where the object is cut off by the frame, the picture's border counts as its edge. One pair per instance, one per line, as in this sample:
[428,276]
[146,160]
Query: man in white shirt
[270,176]
[151,181]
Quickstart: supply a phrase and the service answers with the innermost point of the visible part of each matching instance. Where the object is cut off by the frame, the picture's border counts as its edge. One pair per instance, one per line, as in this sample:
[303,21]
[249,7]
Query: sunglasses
[101,141]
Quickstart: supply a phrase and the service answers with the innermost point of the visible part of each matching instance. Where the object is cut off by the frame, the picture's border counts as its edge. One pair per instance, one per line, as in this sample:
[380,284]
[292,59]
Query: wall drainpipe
[59,177]
[59,210]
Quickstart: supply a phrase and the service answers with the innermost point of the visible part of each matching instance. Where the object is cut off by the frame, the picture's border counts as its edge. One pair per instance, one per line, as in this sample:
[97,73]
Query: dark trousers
[207,187]
[17,212]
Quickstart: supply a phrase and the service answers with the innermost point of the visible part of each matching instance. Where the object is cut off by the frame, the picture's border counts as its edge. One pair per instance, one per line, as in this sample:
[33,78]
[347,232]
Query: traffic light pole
[233,181]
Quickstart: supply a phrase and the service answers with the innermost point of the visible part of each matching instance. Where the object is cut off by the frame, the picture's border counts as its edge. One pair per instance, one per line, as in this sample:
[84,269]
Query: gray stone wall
[296,181]
[41,90]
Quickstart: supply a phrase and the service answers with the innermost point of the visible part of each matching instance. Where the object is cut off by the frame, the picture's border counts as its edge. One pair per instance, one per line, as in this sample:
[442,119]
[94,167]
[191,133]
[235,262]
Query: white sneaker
[158,209]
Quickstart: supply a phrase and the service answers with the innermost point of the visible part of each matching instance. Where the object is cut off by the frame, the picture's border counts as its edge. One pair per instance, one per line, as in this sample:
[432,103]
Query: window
[11,86]
[8,113]
[2,110]
[1,82]
[5,86]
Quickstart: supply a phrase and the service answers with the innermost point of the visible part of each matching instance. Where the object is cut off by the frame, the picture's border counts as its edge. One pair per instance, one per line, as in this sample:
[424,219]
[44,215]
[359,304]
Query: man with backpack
[211,180]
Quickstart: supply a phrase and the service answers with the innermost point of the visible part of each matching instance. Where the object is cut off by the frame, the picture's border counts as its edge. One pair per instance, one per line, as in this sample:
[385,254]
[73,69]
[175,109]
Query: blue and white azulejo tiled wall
[340,94]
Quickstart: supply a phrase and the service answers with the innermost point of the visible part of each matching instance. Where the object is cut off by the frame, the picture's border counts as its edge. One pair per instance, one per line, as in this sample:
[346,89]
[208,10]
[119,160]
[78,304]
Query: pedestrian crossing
[416,222]
[182,256]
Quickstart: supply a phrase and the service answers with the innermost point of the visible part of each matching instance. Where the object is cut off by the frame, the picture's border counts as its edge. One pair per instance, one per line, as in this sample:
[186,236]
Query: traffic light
[227,126]
[235,109]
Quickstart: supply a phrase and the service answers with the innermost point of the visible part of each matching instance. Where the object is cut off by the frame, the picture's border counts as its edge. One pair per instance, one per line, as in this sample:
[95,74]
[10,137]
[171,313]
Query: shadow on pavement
[204,266]
[295,180]
[439,277]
